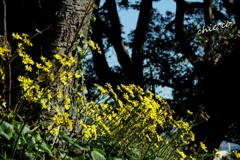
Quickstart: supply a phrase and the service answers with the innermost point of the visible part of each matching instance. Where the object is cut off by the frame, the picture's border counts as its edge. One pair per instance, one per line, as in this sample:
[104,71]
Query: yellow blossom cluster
[2,74]
[181,153]
[89,130]
[3,49]
[3,107]
[203,146]
[47,67]
[133,115]
[94,46]
[26,59]
[64,60]
[62,119]
[127,115]
[237,154]
[32,91]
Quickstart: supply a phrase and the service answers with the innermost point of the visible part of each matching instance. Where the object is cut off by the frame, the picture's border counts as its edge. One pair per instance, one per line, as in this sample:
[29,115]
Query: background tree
[167,51]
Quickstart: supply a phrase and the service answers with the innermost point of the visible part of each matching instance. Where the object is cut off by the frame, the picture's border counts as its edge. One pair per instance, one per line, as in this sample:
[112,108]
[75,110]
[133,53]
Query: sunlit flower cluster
[94,46]
[65,60]
[126,115]
[2,51]
[135,116]
[236,153]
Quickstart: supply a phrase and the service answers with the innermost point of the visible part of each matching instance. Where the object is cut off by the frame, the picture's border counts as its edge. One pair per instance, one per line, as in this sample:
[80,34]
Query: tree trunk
[63,21]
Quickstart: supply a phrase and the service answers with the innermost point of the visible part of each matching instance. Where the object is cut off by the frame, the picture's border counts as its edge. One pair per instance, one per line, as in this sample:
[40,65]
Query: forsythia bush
[127,123]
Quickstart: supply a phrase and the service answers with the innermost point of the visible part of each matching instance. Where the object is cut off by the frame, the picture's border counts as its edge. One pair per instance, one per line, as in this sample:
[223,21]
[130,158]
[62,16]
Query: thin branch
[5,22]
[40,32]
[229,6]
[144,18]
[114,35]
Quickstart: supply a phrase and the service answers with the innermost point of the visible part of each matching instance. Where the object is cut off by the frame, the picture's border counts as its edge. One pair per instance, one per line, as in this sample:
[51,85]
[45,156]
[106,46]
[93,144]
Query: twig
[8,54]
[5,21]
[40,32]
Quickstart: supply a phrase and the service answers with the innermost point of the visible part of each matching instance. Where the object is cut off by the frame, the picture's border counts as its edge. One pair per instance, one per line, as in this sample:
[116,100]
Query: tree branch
[114,35]
[219,15]
[101,67]
[228,5]
[144,18]
[207,12]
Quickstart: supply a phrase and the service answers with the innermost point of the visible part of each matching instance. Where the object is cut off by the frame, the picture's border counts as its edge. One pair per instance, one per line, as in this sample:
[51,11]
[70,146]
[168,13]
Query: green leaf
[30,155]
[71,141]
[99,150]
[16,124]
[38,31]
[83,55]
[90,29]
[43,145]
[30,140]
[81,35]
[114,158]
[6,130]
[93,18]
[97,156]
[79,49]
[95,6]
[79,158]
[133,158]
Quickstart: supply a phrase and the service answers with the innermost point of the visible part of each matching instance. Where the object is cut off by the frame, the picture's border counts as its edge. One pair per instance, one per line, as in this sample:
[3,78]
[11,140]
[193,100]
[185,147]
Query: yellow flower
[27,59]
[159,138]
[57,119]
[236,154]
[58,48]
[189,112]
[54,131]
[98,48]
[28,68]
[27,42]
[43,58]
[203,146]
[40,78]
[3,76]
[192,136]
[51,77]
[25,35]
[2,50]
[49,96]
[72,60]
[57,56]
[16,36]
[91,44]
[77,74]
[181,153]
[49,64]
[67,102]
[4,104]
[59,93]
